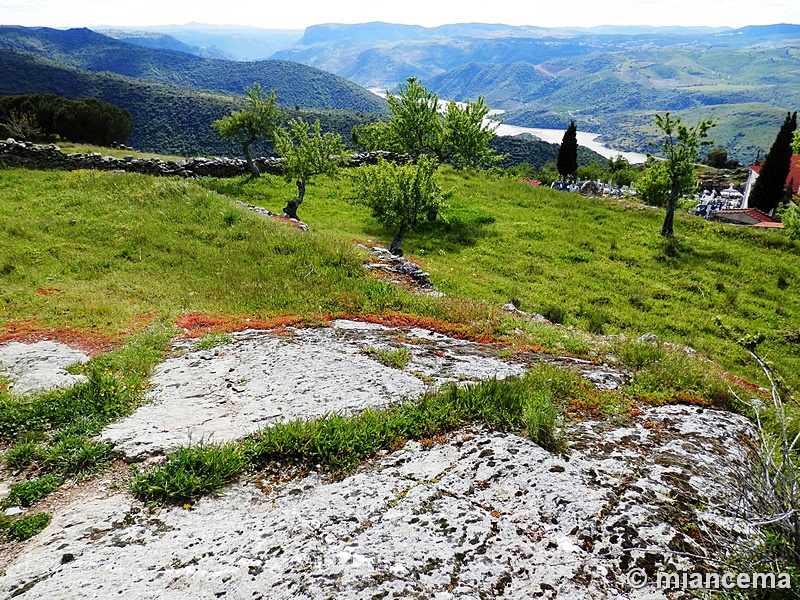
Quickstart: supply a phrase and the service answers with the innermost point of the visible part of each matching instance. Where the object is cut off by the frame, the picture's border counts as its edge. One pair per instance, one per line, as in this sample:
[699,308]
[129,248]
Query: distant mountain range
[232,42]
[173,97]
[295,84]
[607,78]
[610,80]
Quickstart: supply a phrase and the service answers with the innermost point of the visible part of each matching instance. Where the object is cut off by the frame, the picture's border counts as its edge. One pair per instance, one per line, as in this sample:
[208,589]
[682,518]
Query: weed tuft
[189,473]
[23,455]
[397,358]
[212,340]
[29,492]
[18,530]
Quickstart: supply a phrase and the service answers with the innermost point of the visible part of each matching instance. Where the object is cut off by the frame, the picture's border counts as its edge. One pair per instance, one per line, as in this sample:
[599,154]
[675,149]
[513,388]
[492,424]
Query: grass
[212,340]
[597,265]
[105,253]
[189,473]
[397,358]
[76,148]
[17,530]
[49,436]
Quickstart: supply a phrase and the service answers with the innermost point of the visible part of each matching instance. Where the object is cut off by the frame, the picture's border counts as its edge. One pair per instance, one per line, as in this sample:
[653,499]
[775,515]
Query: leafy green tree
[399,196]
[768,190]
[548,174]
[374,136]
[306,151]
[654,185]
[465,142]
[92,121]
[259,120]
[458,135]
[717,158]
[618,163]
[681,147]
[567,162]
[796,143]
[415,127]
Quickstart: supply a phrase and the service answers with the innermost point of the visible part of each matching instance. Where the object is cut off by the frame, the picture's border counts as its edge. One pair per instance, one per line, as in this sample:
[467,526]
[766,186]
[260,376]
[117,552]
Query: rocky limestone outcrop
[36,156]
[39,367]
[471,515]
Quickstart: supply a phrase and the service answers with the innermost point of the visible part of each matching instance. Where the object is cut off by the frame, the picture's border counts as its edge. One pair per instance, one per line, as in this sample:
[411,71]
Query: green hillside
[295,84]
[95,251]
[166,119]
[616,94]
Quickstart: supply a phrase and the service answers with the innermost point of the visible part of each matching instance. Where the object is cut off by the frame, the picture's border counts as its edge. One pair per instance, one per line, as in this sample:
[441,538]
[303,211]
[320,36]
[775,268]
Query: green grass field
[602,262]
[96,251]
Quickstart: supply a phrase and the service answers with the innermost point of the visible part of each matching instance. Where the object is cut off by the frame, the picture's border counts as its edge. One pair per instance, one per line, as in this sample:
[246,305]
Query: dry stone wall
[36,156]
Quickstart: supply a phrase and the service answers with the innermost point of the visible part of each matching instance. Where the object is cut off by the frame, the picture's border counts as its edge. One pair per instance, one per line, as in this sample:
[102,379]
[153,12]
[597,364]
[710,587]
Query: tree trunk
[398,239]
[291,208]
[251,164]
[666,229]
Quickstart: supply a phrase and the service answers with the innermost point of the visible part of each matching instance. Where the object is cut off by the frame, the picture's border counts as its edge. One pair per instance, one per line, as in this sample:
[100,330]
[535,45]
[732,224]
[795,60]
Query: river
[553,136]
[588,140]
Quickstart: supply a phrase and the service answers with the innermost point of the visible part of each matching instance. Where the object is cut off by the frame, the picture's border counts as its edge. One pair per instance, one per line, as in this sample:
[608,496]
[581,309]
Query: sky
[299,14]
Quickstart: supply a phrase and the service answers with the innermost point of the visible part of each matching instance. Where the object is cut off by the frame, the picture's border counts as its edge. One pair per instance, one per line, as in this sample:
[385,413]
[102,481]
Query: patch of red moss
[197,325]
[88,341]
[47,292]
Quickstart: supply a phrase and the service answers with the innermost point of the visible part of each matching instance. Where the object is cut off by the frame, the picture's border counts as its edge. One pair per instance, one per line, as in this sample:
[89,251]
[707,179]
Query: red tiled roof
[767,224]
[794,173]
[752,212]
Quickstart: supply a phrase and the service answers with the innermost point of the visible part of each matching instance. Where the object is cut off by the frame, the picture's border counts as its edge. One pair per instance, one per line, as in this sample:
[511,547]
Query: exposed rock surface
[479,514]
[402,267]
[235,389]
[40,366]
[482,515]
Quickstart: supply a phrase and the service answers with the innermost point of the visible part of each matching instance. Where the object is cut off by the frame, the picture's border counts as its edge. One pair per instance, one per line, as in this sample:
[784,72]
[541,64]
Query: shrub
[554,314]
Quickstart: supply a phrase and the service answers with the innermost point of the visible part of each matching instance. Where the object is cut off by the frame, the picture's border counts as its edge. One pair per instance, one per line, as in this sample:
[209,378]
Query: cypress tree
[768,190]
[567,162]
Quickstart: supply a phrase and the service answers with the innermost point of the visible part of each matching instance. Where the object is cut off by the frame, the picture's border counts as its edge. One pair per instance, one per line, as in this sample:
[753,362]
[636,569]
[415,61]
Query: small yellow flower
[187,506]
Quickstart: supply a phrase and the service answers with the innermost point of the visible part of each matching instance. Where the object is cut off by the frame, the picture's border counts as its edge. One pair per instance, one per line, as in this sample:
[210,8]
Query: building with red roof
[792,179]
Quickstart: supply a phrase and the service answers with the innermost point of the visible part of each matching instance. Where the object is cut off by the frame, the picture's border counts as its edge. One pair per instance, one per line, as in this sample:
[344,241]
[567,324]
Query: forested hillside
[295,84]
[166,119]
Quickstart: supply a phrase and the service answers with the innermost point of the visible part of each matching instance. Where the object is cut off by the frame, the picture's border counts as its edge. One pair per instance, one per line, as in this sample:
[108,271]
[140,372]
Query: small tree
[457,135]
[796,143]
[768,189]
[22,126]
[681,147]
[415,127]
[306,151]
[259,120]
[567,162]
[465,141]
[399,196]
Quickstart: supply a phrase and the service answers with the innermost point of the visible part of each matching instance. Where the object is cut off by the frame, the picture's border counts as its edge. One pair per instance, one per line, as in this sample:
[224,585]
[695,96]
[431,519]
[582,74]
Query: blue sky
[298,14]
